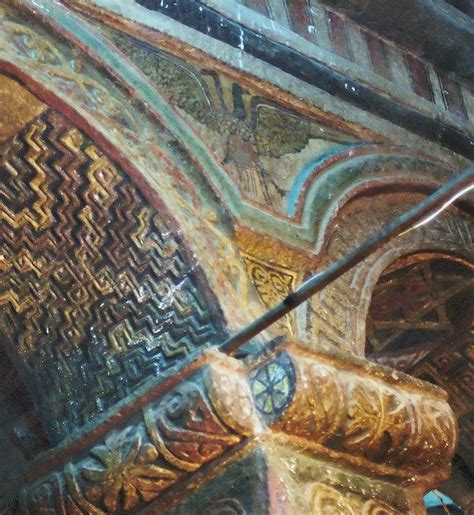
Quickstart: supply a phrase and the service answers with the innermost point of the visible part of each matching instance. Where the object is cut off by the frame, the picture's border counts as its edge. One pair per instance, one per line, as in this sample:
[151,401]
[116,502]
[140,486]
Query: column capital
[336,409]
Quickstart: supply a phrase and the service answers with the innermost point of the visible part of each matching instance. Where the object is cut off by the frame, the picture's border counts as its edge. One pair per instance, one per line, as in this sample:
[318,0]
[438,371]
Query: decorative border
[172,437]
[319,32]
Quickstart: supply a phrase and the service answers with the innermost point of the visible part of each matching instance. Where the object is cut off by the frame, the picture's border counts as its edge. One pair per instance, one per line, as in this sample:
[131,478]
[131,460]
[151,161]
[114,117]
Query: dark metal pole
[453,189]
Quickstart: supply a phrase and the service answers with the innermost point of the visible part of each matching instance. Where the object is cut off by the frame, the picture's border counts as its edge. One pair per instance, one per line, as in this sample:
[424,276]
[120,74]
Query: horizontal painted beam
[204,19]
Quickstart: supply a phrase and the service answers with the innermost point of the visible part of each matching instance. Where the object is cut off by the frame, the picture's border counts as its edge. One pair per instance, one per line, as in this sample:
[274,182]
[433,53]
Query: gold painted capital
[330,409]
[348,409]
[17,107]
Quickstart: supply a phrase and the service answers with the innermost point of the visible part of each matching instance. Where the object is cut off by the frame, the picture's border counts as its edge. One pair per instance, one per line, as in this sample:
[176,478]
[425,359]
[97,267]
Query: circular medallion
[273,386]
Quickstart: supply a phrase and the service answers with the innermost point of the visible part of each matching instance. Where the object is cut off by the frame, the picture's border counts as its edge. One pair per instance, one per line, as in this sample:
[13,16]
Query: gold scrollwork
[356,412]
[326,500]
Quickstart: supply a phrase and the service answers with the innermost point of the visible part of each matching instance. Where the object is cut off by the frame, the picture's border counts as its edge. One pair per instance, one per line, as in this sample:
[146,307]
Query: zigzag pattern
[96,294]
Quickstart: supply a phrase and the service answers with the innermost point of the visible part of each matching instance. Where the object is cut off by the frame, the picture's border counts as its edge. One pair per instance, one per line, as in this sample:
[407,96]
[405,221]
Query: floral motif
[327,500]
[377,421]
[376,507]
[191,425]
[360,414]
[232,399]
[186,430]
[177,435]
[129,473]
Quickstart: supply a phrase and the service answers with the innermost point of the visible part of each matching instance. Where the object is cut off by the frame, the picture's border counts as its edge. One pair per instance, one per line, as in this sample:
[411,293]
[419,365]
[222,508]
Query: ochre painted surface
[17,107]
[328,408]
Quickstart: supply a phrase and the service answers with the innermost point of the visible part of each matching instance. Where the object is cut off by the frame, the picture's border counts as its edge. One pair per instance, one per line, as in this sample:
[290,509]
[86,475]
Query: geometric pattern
[97,293]
[272,282]
[451,366]
[421,322]
[417,304]
[169,439]
[273,387]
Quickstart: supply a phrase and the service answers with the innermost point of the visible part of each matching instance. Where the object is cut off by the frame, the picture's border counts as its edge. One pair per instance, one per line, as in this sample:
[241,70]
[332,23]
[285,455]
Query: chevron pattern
[96,291]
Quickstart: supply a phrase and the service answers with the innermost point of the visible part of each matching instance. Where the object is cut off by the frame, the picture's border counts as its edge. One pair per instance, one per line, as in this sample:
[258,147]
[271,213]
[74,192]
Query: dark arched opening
[421,321]
[21,435]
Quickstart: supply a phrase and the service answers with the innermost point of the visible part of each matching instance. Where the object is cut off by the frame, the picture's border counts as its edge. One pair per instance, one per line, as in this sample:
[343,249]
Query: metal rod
[414,217]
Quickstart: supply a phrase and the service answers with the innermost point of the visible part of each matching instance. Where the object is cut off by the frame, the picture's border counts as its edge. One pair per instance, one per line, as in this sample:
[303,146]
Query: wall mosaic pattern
[98,292]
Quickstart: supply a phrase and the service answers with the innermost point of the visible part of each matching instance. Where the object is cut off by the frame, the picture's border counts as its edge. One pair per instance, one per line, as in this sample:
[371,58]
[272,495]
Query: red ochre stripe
[337,29]
[258,5]
[378,55]
[301,22]
[419,77]
[452,95]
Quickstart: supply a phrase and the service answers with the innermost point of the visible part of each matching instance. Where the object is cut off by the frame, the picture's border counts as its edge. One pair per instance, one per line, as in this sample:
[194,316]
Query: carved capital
[369,415]
[337,408]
